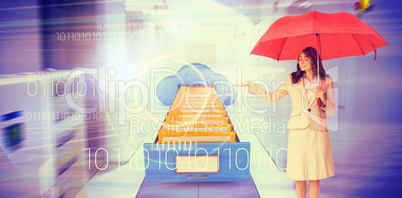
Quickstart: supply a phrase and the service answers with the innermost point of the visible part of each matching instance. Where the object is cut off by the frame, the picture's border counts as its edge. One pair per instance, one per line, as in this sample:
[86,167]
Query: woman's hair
[311,53]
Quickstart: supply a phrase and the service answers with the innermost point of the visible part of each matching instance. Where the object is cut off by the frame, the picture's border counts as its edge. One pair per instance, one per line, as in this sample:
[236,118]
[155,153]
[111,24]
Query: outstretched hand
[244,84]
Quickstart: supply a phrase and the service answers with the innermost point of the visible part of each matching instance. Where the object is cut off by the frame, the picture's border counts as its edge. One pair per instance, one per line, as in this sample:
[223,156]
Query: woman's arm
[329,105]
[267,96]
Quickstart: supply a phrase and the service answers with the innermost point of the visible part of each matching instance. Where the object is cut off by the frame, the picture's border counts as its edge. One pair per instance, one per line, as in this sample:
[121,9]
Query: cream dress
[309,154]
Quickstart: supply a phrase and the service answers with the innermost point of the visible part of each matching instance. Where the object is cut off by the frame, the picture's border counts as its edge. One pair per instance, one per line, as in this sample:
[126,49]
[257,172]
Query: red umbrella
[333,35]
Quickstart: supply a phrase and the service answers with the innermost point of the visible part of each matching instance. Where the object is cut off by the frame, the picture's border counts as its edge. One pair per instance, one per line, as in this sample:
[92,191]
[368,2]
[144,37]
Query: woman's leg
[301,189]
[313,188]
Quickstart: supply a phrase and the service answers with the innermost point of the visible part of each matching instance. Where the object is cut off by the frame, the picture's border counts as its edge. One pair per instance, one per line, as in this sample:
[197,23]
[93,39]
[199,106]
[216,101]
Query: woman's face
[304,62]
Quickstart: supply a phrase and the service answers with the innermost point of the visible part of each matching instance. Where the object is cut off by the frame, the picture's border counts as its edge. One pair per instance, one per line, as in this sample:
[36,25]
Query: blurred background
[78,81]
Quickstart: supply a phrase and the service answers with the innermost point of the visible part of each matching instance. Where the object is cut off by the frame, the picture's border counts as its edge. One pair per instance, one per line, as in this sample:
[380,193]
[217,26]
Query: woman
[309,156]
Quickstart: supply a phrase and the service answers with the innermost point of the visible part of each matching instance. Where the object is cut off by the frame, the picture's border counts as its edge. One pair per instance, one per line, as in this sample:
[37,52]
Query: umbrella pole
[319,102]
[318,61]
[318,69]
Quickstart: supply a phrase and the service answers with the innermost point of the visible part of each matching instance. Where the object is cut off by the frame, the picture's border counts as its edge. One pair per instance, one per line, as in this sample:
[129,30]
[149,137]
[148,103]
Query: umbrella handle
[319,102]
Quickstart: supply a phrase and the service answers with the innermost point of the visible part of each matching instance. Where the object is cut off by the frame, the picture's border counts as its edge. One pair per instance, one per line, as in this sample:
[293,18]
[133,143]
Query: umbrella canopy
[333,35]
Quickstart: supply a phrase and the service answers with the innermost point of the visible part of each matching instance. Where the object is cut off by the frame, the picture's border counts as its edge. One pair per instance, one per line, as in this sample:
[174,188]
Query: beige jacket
[301,117]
